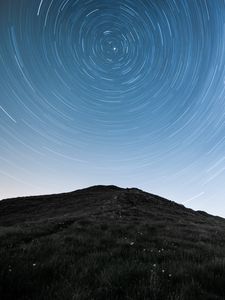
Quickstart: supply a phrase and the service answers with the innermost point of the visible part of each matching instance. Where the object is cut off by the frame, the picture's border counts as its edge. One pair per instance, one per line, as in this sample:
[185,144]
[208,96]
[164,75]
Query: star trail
[130,93]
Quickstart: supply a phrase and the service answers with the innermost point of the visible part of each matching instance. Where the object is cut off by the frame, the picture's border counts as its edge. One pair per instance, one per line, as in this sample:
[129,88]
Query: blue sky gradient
[130,93]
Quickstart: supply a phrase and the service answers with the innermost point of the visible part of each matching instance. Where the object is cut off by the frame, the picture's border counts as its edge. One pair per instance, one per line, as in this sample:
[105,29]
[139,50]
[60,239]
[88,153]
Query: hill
[106,242]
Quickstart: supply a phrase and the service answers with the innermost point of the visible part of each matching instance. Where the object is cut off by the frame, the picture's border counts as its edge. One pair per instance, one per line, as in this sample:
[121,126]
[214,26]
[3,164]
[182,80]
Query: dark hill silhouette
[100,202]
[107,242]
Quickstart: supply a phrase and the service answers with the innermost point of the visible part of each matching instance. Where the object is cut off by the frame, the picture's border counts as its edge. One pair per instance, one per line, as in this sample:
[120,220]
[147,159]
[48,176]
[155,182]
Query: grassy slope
[109,243]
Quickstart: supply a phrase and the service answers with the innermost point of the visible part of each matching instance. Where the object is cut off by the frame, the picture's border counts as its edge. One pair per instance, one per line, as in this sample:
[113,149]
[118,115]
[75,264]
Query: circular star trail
[117,92]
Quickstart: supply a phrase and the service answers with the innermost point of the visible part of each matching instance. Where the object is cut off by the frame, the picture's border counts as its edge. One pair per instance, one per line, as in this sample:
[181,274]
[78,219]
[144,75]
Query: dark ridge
[107,242]
[99,201]
[100,188]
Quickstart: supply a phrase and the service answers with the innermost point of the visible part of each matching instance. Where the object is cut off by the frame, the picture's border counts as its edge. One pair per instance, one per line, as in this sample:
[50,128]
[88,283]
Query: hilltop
[107,242]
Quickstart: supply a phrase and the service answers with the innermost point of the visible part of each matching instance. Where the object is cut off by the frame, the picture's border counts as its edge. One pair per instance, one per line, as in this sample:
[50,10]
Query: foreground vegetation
[126,244]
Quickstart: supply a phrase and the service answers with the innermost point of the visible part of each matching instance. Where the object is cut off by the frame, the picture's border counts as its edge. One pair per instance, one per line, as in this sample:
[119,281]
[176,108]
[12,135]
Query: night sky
[123,92]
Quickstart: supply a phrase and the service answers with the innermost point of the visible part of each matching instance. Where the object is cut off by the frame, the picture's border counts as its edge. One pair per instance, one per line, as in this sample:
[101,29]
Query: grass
[126,257]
